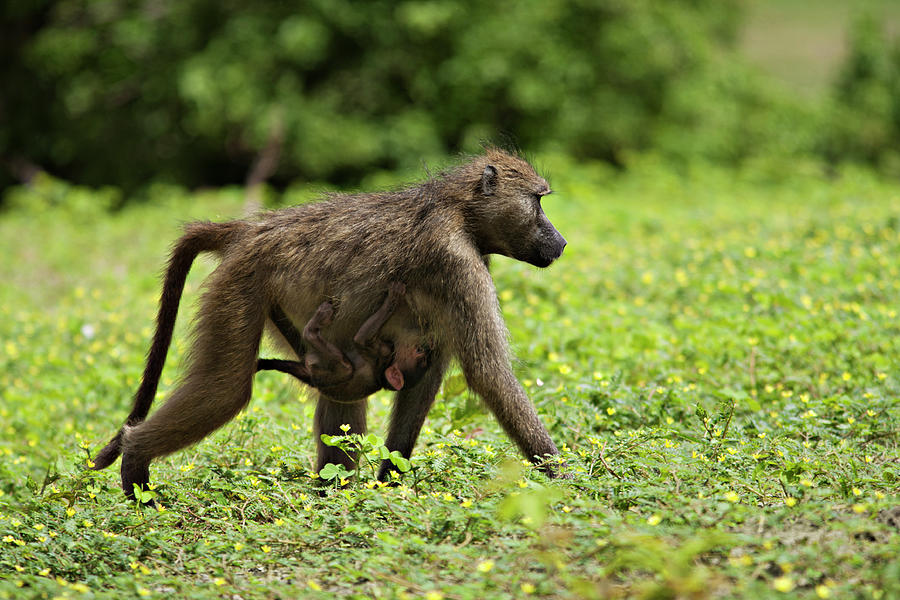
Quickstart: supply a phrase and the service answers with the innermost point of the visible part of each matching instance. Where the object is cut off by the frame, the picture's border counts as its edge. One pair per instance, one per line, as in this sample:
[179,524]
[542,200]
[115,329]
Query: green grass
[716,354]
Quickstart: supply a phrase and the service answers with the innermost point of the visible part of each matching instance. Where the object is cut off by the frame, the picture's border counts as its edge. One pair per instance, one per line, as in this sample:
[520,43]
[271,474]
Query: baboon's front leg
[479,337]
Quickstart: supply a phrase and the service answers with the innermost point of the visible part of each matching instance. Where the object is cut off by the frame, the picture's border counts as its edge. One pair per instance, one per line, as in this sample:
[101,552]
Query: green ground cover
[716,355]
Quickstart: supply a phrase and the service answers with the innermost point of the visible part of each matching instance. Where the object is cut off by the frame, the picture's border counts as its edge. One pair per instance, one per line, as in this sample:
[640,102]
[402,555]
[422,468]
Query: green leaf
[373,440]
[143,496]
[403,465]
[329,471]
[387,538]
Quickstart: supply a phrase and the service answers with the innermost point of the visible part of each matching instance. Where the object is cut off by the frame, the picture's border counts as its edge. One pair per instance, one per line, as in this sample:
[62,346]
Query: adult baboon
[436,237]
[368,365]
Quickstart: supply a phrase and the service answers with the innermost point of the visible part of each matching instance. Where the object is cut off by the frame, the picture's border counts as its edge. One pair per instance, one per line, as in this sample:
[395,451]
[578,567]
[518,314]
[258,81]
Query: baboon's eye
[536,204]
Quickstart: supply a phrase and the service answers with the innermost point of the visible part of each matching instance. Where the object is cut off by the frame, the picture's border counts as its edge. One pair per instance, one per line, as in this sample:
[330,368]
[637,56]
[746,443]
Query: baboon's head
[409,366]
[508,216]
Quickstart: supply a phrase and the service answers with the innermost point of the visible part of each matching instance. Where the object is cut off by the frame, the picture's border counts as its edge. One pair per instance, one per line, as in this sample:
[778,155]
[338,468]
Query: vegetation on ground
[715,353]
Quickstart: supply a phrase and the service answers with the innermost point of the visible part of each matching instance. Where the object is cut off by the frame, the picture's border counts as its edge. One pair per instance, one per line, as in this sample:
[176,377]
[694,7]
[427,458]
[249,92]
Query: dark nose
[562,243]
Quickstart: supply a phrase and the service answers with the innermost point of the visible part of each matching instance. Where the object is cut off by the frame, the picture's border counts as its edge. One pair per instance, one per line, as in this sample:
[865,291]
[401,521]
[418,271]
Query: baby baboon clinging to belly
[368,365]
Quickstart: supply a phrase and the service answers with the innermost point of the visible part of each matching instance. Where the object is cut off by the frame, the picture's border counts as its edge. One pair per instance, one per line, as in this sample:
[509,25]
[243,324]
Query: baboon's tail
[198,237]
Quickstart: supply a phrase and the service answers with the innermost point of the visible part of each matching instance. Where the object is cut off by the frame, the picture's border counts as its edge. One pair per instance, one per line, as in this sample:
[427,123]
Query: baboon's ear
[489,181]
[394,377]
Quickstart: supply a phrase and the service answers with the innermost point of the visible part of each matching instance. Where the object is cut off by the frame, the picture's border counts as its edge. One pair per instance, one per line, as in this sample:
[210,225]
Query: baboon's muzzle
[550,247]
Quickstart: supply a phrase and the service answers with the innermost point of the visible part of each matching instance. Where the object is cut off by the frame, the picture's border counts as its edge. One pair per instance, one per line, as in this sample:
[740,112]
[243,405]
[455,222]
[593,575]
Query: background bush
[193,90]
[196,92]
[865,117]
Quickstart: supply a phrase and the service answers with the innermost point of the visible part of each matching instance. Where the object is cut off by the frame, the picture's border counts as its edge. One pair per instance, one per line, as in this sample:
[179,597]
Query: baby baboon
[367,366]
[435,237]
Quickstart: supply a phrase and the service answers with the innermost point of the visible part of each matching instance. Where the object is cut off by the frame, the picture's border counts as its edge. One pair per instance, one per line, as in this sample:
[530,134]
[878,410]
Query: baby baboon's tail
[198,237]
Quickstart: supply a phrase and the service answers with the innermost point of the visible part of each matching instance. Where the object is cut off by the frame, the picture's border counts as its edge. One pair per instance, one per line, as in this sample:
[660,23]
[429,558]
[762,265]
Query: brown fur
[435,237]
[369,364]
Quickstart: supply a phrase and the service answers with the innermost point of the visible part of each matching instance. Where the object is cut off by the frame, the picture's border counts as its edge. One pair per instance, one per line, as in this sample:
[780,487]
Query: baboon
[435,237]
[367,366]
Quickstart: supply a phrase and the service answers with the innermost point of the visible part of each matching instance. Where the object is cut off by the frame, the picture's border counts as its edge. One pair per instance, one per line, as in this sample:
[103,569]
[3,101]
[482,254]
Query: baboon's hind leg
[216,385]
[134,470]
[330,415]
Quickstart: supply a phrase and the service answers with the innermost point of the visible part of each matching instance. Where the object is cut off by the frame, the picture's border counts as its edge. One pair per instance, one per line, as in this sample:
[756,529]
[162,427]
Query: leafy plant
[368,449]
[714,354]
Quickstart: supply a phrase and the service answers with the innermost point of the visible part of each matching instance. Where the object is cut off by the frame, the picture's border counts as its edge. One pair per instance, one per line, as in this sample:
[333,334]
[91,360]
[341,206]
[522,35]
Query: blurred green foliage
[197,92]
[192,91]
[866,110]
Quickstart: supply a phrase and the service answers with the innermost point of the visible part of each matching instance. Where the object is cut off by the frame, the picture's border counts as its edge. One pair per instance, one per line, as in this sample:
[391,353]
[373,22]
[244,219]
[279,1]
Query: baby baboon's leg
[411,406]
[291,367]
[325,351]
[216,386]
[330,415]
[369,330]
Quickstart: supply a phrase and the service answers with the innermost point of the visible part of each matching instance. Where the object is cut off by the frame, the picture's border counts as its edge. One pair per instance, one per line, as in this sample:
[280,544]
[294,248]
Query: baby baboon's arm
[367,336]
